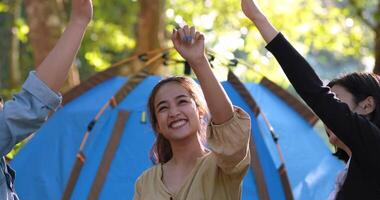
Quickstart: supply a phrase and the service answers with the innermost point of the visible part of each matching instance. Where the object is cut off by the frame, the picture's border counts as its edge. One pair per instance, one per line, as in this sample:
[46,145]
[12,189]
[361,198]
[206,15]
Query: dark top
[357,132]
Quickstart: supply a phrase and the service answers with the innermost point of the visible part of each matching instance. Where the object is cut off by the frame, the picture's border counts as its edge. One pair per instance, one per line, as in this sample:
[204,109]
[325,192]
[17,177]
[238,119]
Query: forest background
[336,36]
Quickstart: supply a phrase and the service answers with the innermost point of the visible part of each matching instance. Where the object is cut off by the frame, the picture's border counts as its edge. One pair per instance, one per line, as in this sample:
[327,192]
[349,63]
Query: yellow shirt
[217,175]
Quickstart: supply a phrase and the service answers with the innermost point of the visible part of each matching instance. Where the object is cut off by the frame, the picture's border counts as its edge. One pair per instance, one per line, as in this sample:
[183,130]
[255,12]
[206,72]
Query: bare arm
[55,67]
[194,52]
[253,12]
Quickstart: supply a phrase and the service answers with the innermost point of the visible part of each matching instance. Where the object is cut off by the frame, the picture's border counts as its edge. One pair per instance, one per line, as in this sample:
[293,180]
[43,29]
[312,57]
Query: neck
[186,152]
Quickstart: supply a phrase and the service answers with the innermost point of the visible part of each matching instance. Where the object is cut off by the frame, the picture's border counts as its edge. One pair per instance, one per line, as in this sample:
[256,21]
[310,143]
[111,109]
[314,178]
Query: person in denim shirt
[29,109]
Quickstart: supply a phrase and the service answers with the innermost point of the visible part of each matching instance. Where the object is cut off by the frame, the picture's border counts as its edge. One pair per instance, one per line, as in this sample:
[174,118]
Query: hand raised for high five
[81,11]
[190,44]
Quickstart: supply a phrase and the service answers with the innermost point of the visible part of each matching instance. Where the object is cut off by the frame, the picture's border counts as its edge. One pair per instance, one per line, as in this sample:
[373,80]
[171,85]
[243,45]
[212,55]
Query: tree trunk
[5,26]
[377,41]
[14,65]
[46,26]
[377,51]
[150,25]
[150,31]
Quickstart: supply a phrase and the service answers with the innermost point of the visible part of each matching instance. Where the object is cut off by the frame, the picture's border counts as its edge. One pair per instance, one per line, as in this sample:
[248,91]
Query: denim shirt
[19,118]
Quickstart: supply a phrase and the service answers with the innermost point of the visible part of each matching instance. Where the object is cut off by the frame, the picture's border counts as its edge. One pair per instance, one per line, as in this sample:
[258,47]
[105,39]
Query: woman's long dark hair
[361,86]
[161,151]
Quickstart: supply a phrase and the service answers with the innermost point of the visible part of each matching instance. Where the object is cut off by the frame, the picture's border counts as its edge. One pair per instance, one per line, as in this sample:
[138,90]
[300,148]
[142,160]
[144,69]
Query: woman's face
[345,96]
[177,114]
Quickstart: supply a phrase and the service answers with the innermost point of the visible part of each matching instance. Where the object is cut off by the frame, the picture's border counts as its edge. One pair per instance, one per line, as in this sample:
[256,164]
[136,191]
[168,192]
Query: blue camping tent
[46,162]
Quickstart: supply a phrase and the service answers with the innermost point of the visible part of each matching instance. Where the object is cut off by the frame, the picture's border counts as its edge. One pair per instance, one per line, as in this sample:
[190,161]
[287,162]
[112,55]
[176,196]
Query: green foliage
[7,93]
[323,31]
[110,37]
[3,7]
[22,30]
[314,27]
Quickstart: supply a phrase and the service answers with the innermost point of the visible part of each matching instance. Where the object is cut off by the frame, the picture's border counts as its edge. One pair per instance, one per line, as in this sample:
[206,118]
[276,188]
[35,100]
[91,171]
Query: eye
[162,108]
[182,101]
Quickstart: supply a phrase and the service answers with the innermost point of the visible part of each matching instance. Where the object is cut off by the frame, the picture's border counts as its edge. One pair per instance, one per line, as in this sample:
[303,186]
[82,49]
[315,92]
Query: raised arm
[335,114]
[54,69]
[28,109]
[253,12]
[190,45]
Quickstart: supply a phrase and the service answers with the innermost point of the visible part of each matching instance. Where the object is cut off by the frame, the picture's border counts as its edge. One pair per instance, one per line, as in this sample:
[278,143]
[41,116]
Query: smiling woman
[185,168]
[185,93]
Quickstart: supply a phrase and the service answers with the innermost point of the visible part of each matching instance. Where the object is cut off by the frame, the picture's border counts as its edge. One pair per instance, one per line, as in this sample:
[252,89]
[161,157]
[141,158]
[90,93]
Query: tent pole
[282,169]
[234,80]
[255,161]
[108,155]
[107,74]
[121,93]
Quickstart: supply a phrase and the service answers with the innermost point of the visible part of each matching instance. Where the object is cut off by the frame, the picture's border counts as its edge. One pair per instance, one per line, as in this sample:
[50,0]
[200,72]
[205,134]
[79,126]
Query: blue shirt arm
[26,112]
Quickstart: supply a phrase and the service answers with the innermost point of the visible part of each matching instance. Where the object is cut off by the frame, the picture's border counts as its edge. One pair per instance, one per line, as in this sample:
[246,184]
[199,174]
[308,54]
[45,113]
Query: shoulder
[149,175]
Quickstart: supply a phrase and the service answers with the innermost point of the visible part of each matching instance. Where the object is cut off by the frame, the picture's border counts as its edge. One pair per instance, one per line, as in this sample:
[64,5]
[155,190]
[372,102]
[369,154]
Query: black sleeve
[358,133]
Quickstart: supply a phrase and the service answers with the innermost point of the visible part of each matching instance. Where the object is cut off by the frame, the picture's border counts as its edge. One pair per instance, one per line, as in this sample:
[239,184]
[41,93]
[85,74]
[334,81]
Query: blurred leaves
[328,32]
[334,35]
[312,26]
[22,30]
[3,7]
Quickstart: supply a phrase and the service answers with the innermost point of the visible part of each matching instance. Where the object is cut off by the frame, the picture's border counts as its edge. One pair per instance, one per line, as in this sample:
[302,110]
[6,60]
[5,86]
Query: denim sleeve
[26,112]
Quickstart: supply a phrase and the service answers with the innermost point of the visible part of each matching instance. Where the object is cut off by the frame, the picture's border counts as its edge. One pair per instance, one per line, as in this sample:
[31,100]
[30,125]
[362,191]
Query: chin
[182,136]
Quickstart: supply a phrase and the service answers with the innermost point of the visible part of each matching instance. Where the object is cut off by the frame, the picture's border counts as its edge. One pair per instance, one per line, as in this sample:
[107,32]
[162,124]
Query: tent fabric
[44,164]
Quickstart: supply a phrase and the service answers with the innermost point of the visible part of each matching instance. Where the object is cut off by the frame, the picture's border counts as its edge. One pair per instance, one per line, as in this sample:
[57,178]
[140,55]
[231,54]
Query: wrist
[257,17]
[79,22]
[198,61]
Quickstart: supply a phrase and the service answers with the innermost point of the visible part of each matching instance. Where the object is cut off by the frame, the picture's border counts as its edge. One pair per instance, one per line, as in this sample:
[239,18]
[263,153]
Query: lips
[177,123]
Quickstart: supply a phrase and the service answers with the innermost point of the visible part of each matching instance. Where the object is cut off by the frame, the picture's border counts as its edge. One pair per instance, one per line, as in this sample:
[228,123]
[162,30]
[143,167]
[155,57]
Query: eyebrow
[177,97]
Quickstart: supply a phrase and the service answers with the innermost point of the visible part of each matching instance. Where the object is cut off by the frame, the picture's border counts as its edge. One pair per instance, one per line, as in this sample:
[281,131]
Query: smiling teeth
[178,123]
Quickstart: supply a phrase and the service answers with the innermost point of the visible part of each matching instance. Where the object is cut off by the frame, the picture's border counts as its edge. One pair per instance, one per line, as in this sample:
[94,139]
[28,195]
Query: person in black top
[349,107]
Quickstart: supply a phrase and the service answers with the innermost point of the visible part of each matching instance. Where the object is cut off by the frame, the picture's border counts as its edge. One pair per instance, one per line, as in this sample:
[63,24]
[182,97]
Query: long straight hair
[161,151]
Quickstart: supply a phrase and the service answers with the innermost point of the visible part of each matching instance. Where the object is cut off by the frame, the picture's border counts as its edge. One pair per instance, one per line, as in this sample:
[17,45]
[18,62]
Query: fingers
[186,30]
[198,36]
[188,34]
[181,33]
[192,32]
[175,37]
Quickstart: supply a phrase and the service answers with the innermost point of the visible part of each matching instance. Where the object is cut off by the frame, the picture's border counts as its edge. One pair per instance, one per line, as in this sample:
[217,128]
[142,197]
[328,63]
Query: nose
[174,112]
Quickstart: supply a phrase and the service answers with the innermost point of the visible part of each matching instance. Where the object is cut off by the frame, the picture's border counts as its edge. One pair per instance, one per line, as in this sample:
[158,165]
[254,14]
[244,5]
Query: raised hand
[190,44]
[250,9]
[81,11]
[55,67]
